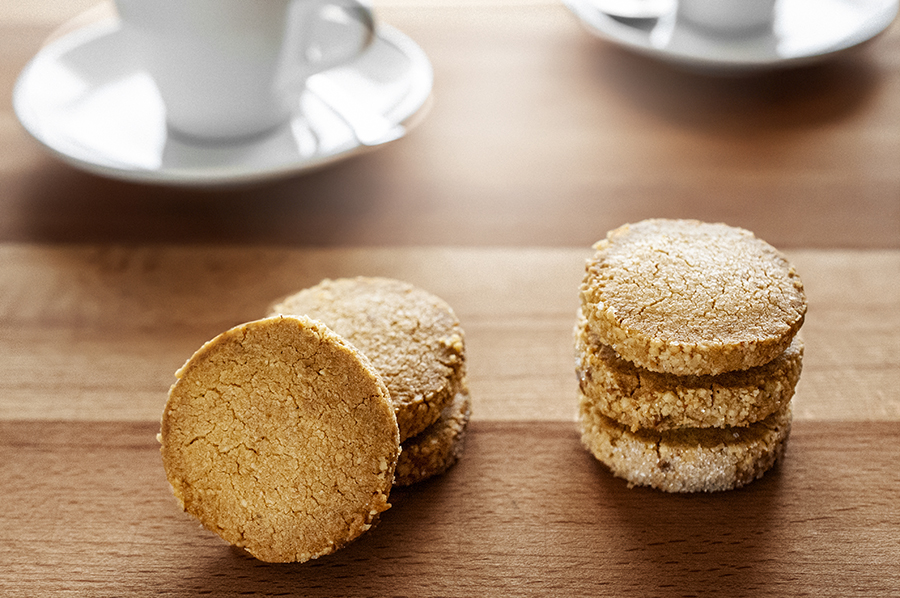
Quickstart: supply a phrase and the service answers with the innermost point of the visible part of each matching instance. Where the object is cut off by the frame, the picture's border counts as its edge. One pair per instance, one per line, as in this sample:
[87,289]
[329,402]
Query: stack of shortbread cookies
[284,435]
[416,343]
[687,355]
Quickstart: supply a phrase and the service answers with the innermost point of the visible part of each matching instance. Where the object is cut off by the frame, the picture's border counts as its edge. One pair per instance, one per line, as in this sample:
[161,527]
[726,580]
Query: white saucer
[91,105]
[803,32]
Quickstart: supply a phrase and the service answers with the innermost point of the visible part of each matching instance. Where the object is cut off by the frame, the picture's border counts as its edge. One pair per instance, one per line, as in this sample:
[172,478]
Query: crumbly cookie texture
[638,398]
[435,450]
[280,437]
[687,459]
[691,298]
[412,337]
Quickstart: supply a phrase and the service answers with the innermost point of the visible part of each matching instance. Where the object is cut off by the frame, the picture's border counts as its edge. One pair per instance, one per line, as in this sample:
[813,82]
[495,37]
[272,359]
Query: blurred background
[539,134]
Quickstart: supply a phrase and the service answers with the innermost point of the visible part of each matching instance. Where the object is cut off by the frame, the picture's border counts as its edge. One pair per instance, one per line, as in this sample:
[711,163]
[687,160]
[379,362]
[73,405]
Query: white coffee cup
[231,69]
[728,17]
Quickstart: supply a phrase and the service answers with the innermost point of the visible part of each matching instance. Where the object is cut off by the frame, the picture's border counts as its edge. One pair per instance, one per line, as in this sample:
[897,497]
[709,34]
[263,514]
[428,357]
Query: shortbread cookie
[412,338]
[638,398]
[690,298]
[687,459]
[435,450]
[280,437]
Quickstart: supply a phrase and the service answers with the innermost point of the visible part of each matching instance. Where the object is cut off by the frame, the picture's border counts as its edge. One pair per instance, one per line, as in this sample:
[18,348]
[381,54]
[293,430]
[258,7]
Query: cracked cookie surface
[438,447]
[412,337]
[691,298]
[687,459]
[639,398]
[280,438]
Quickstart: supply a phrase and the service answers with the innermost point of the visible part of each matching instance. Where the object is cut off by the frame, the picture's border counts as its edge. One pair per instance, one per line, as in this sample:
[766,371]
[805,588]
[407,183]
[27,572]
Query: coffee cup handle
[320,57]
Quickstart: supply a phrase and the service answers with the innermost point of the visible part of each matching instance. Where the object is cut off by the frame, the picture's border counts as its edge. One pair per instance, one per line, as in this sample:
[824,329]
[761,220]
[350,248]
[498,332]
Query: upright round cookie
[280,437]
[412,337]
[691,298]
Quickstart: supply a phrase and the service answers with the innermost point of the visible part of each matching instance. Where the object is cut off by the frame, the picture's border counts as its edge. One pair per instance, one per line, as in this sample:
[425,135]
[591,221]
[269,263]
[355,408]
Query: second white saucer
[802,32]
[90,104]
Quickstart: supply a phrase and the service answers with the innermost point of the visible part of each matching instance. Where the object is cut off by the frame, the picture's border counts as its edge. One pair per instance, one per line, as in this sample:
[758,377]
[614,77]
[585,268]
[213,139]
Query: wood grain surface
[90,337]
[97,332]
[525,513]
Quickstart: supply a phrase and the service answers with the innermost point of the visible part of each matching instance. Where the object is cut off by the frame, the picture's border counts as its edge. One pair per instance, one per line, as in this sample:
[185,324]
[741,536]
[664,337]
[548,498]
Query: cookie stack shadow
[687,355]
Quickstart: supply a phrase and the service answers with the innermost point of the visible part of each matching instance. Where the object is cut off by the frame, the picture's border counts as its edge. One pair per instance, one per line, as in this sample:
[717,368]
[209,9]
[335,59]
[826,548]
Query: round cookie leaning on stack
[686,354]
[415,341]
[280,437]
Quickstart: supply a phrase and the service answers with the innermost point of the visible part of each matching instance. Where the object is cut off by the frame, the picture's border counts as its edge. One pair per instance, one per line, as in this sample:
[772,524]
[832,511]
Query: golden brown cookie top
[687,297]
[412,337]
[281,438]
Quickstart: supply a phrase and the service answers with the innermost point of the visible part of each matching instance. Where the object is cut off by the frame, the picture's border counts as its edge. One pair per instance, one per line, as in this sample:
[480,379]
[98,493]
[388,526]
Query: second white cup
[231,69]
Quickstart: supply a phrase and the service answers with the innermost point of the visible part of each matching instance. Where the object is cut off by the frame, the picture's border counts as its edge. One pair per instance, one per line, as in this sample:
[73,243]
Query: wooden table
[540,138]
